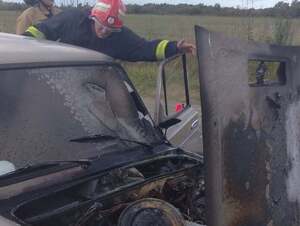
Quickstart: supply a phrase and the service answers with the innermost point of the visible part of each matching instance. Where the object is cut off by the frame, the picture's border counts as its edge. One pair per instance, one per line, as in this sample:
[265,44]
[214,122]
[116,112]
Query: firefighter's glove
[186,47]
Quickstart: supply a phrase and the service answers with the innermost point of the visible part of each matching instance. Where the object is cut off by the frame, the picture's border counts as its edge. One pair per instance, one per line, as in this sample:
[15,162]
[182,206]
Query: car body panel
[187,134]
[21,50]
[251,133]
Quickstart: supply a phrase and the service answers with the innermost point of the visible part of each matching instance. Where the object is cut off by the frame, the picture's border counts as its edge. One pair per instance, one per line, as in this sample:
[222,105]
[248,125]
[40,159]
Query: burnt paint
[248,133]
[245,172]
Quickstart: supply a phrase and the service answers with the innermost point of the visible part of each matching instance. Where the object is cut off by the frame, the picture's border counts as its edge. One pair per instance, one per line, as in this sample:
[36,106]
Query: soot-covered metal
[251,132]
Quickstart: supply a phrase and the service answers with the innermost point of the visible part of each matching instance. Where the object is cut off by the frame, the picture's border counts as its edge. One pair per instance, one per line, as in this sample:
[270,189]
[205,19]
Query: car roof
[17,49]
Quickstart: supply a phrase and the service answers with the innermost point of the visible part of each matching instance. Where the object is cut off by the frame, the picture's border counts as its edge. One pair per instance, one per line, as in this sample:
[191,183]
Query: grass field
[175,28]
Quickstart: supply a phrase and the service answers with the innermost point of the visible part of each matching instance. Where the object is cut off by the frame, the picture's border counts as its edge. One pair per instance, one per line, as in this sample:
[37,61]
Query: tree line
[12,5]
[283,9]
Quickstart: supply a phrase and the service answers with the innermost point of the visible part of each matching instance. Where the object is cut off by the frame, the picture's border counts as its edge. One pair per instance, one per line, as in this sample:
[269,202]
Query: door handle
[195,124]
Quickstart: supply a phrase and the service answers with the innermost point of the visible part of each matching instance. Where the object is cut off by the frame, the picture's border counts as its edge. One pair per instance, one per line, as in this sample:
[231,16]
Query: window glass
[43,109]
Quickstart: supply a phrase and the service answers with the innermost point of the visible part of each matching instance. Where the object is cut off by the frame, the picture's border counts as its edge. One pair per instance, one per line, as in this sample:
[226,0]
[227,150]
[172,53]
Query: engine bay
[150,192]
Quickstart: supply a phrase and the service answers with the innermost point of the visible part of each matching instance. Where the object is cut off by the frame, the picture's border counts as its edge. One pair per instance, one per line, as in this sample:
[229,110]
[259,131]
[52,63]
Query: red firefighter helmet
[108,12]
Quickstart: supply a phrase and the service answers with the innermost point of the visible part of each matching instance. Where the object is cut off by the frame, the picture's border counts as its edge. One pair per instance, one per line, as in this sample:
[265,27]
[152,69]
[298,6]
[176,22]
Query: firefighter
[102,29]
[39,10]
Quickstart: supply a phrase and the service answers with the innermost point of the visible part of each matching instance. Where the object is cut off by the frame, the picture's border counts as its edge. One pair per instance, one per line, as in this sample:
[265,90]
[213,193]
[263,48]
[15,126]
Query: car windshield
[43,109]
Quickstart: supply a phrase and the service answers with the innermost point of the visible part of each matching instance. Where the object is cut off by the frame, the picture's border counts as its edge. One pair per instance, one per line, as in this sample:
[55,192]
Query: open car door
[174,113]
[251,128]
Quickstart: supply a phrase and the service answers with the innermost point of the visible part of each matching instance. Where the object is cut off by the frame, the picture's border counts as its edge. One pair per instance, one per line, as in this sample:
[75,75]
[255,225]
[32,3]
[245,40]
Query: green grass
[175,28]
[8,21]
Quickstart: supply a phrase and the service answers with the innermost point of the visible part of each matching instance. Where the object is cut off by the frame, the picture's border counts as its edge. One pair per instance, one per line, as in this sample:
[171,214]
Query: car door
[250,99]
[173,102]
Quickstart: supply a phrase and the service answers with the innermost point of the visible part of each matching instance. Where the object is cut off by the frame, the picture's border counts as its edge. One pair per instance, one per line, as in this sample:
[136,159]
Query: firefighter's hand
[186,47]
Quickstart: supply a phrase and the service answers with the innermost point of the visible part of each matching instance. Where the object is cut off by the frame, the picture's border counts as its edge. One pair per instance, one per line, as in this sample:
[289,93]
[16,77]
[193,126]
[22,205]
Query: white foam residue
[68,83]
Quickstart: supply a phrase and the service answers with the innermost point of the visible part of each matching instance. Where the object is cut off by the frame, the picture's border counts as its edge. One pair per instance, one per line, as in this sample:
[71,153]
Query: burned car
[76,161]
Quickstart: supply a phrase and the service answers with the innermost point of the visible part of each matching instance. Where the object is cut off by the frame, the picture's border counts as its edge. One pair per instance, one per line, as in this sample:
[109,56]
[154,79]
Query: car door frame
[188,129]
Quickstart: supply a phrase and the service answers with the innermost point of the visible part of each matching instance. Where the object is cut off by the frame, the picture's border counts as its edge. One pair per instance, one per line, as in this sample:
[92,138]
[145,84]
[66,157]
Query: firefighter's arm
[165,48]
[50,29]
[134,48]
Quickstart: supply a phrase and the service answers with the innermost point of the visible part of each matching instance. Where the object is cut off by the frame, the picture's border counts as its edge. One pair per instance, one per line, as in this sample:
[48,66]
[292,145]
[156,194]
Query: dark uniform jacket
[75,27]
